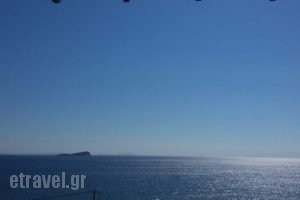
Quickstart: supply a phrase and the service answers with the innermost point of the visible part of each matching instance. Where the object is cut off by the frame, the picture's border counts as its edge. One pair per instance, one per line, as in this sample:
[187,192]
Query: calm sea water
[158,178]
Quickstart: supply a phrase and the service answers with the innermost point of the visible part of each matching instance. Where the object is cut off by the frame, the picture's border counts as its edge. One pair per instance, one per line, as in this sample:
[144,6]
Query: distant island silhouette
[83,153]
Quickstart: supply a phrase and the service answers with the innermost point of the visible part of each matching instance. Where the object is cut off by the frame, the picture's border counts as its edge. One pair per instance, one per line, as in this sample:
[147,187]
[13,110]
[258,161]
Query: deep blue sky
[171,77]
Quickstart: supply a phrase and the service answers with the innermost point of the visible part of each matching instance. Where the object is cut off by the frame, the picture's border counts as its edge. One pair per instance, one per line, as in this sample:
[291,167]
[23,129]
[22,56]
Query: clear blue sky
[171,77]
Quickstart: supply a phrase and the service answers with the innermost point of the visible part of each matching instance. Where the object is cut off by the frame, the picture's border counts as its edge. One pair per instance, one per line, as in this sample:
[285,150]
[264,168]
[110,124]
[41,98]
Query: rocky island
[83,153]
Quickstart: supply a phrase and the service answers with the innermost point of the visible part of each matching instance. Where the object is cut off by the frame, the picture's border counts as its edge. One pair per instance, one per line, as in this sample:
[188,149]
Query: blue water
[158,178]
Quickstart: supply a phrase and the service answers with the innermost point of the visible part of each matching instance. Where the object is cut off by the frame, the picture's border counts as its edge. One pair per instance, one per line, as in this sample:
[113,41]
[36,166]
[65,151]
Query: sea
[156,178]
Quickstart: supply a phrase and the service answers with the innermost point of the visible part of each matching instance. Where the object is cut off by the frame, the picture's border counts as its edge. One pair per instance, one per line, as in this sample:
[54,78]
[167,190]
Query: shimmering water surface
[158,178]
